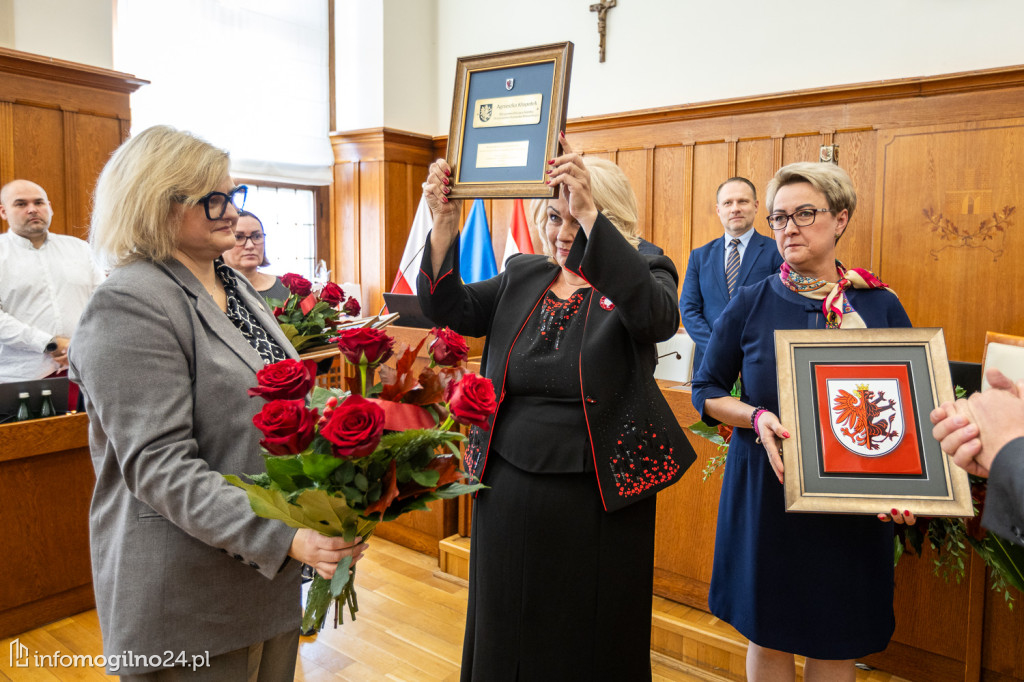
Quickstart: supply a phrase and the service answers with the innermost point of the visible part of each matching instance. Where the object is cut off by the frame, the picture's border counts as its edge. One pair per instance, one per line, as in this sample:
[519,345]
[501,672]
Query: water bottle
[47,409]
[24,414]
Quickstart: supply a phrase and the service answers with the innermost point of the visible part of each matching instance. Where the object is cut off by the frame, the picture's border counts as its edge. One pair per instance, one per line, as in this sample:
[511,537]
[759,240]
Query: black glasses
[216,203]
[801,218]
[256,238]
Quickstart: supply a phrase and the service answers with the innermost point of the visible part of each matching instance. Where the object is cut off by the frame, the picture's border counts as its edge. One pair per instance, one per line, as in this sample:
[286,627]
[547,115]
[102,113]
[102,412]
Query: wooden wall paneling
[710,168]
[634,163]
[372,229]
[920,650]
[755,161]
[345,262]
[683,543]
[72,190]
[668,203]
[6,143]
[800,146]
[39,156]
[94,139]
[857,157]
[1002,650]
[950,229]
[731,157]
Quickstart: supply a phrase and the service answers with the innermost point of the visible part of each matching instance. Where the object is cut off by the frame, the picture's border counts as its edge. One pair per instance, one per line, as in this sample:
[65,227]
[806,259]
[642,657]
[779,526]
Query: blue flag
[476,255]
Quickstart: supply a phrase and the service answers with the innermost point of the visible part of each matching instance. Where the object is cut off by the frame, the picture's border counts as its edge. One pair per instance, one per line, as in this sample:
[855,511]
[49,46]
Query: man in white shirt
[45,281]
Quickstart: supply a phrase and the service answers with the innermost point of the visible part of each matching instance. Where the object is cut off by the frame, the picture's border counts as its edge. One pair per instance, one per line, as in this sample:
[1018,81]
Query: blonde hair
[135,212]
[613,197]
[827,178]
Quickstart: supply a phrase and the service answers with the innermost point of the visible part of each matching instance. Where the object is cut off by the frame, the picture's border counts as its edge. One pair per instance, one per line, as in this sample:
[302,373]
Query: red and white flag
[409,266]
[519,240]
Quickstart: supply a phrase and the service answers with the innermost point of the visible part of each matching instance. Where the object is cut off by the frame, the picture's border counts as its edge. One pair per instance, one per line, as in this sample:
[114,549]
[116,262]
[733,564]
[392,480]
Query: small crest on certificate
[510,83]
[485,112]
[867,416]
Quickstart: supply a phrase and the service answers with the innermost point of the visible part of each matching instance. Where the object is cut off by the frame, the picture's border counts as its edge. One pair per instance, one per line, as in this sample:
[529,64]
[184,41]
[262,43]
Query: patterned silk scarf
[837,310]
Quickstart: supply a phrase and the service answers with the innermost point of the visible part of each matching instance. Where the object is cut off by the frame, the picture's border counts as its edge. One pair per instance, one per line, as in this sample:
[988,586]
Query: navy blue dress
[818,585]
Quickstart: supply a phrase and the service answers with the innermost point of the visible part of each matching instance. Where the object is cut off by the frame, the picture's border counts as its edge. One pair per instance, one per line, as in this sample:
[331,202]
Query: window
[289,217]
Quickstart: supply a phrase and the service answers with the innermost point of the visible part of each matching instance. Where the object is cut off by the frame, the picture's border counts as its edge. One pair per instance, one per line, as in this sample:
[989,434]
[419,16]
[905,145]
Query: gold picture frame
[857,403]
[507,111]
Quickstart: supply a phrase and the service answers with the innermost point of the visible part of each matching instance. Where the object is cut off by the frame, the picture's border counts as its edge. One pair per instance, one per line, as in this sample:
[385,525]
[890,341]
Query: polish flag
[518,234]
[409,266]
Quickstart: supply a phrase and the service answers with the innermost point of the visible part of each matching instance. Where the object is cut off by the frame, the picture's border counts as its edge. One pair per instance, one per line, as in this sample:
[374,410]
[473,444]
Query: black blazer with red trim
[637,444]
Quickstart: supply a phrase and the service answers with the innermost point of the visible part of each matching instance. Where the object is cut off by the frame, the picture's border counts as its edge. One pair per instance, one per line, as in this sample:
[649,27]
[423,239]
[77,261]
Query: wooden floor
[409,627]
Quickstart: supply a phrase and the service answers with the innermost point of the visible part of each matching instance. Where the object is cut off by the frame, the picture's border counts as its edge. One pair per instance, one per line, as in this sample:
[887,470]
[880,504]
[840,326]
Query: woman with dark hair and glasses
[250,253]
[165,352]
[817,585]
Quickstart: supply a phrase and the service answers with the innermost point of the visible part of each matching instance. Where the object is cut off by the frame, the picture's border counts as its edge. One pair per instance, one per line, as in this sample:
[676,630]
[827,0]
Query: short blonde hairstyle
[136,209]
[613,197]
[827,178]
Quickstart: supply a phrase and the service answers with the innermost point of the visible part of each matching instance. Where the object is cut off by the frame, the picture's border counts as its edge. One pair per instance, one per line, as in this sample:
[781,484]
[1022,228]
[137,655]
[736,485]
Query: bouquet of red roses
[308,317]
[341,461]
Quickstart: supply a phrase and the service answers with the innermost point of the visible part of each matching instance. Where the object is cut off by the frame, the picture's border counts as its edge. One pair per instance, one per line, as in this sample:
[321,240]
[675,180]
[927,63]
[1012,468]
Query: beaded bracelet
[753,417]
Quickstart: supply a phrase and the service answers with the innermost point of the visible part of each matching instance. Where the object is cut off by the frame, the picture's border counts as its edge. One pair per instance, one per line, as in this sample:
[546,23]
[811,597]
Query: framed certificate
[507,112]
[857,403]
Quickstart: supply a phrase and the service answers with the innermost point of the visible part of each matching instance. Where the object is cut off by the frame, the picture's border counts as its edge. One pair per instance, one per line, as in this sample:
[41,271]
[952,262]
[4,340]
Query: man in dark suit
[720,267]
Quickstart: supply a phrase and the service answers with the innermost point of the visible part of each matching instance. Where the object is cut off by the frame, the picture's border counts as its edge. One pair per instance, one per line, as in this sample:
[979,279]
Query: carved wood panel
[950,238]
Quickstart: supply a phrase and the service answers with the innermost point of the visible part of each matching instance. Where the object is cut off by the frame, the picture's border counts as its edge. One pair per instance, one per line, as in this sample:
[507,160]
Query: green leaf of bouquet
[283,470]
[341,577]
[320,396]
[708,432]
[361,483]
[447,492]
[312,511]
[319,467]
[289,330]
[427,479]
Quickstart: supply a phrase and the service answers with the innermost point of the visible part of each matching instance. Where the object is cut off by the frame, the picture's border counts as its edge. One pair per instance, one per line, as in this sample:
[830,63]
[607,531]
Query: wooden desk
[46,482]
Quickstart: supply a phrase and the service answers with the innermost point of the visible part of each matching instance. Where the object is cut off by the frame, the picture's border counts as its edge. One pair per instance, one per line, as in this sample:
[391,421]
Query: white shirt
[42,294]
[741,247]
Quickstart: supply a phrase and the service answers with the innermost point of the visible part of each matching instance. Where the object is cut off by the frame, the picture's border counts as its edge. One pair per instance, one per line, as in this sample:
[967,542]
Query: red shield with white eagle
[865,419]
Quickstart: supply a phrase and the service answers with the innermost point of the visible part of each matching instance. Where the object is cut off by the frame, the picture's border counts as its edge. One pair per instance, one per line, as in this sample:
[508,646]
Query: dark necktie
[732,266]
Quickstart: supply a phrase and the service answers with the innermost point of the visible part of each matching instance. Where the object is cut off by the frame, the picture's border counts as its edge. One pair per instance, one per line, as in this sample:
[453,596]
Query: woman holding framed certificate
[562,556]
[818,585]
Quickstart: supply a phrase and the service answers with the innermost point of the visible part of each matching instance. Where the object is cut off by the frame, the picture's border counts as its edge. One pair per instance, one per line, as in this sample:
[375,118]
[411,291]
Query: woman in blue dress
[817,585]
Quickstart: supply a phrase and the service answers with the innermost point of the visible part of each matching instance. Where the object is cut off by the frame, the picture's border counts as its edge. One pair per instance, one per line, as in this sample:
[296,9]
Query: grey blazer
[1004,501]
[180,563]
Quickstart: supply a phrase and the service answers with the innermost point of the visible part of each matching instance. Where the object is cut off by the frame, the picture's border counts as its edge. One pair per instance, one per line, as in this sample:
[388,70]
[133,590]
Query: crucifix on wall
[602,20]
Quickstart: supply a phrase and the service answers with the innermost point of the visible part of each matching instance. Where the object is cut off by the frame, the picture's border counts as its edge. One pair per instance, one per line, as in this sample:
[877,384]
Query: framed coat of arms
[857,403]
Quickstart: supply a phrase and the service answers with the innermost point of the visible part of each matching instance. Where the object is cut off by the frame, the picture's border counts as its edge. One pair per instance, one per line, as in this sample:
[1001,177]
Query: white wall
[359,64]
[671,52]
[73,30]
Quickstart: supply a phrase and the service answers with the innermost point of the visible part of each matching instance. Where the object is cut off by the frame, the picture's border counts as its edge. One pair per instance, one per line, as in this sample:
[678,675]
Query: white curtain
[249,76]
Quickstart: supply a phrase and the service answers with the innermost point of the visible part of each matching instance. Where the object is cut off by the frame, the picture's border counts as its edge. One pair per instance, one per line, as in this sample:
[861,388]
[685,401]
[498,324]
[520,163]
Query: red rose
[332,294]
[297,284]
[354,427]
[471,400]
[285,380]
[279,311]
[371,346]
[351,307]
[448,348]
[288,427]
